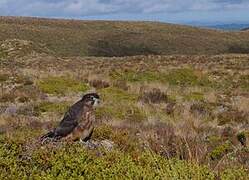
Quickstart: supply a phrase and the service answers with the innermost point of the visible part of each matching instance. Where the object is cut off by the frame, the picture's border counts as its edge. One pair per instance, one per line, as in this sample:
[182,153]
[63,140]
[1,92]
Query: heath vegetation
[177,116]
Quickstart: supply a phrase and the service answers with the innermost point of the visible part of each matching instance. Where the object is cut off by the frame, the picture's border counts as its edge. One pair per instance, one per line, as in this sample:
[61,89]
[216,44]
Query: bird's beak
[96,102]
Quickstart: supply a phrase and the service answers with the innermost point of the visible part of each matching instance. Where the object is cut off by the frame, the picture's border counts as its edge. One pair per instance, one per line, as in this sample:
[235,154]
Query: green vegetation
[186,77]
[59,107]
[2,54]
[61,163]
[234,173]
[3,77]
[120,105]
[74,161]
[180,77]
[132,76]
[220,151]
[244,82]
[61,85]
[117,95]
[194,96]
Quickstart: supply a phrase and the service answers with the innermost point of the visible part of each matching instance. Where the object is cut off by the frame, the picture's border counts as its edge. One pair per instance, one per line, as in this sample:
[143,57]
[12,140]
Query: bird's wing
[70,120]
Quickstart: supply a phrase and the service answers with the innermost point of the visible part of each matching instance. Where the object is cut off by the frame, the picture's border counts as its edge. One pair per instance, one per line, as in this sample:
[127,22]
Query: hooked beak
[96,102]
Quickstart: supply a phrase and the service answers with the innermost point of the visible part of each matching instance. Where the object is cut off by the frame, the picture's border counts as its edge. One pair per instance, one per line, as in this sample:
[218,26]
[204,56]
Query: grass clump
[61,85]
[154,96]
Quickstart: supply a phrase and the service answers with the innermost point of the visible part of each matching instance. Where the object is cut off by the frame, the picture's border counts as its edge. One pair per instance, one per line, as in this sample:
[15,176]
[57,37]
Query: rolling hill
[115,38]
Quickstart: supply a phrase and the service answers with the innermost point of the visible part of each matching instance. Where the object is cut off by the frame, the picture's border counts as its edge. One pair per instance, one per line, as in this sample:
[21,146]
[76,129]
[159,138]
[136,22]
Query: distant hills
[246,29]
[120,38]
[230,27]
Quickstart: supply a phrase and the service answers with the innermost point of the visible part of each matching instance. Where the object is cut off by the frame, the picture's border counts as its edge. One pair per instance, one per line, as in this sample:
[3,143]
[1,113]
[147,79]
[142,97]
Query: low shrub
[220,151]
[99,84]
[234,173]
[154,96]
[67,162]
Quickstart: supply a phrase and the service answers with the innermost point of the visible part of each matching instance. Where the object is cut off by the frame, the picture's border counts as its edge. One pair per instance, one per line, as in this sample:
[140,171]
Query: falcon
[78,121]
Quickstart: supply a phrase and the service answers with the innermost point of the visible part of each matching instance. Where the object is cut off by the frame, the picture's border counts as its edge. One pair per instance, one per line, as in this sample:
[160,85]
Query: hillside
[164,116]
[107,38]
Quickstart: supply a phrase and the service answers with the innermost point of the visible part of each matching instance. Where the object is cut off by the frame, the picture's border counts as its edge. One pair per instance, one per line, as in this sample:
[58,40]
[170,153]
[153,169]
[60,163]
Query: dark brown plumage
[78,121]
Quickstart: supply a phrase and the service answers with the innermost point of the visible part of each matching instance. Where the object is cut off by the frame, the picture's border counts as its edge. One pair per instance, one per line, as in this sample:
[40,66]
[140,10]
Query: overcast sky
[175,11]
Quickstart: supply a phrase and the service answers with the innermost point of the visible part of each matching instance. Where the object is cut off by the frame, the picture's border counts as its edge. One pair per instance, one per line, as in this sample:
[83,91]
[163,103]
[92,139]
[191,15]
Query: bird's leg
[88,137]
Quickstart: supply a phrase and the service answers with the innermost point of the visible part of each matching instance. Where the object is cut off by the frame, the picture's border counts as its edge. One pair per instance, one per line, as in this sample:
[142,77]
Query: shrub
[65,162]
[242,138]
[220,151]
[234,173]
[232,116]
[99,84]
[200,108]
[121,84]
[154,96]
[8,97]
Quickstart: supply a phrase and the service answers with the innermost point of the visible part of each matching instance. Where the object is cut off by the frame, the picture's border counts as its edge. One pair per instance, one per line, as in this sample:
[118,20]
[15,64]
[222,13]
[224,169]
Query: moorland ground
[169,116]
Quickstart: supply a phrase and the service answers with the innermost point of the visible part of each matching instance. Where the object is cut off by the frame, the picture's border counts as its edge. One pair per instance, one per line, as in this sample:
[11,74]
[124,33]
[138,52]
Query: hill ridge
[121,38]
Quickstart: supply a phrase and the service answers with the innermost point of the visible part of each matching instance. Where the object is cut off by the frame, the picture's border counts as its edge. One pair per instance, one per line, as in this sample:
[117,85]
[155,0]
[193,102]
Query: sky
[173,11]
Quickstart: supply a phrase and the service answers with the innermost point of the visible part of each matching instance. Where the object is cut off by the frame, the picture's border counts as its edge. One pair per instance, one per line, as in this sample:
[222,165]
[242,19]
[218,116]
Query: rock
[11,110]
[91,144]
[94,144]
[220,109]
[108,145]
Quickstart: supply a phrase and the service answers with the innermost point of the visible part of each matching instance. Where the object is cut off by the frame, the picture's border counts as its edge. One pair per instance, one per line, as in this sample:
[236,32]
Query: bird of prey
[78,121]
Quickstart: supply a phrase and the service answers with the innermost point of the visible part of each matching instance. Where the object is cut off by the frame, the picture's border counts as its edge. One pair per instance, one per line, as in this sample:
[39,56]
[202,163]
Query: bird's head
[91,99]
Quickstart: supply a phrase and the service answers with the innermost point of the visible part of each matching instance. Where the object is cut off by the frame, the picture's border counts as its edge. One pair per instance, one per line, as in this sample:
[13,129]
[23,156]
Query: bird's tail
[46,136]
